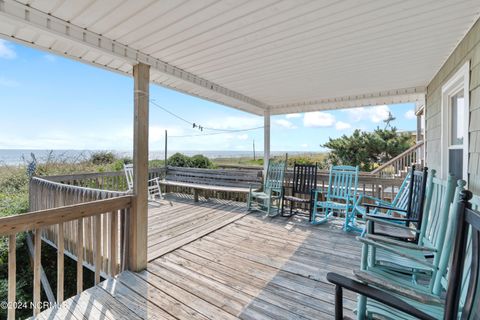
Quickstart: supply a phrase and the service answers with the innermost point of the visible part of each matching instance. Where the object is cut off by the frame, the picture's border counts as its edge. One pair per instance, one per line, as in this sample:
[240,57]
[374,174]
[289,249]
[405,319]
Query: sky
[51,102]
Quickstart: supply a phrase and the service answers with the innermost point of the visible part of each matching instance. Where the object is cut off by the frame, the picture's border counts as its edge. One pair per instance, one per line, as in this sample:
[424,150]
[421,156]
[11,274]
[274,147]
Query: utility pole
[254,150]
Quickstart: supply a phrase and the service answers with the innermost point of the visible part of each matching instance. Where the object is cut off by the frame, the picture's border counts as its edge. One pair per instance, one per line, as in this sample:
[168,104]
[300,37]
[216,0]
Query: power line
[213,133]
[195,125]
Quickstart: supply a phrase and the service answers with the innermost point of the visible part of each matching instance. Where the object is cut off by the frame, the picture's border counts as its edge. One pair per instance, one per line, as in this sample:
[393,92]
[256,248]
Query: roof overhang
[286,57]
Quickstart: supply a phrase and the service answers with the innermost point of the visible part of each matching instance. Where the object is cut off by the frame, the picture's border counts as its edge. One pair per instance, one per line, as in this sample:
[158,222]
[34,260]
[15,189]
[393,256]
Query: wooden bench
[225,180]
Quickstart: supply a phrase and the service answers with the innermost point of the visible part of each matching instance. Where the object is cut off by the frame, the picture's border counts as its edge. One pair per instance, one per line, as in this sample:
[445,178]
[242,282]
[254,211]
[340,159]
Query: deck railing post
[138,219]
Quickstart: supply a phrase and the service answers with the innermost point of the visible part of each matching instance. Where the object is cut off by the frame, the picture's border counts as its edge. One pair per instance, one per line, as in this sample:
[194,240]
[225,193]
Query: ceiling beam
[35,18]
[412,95]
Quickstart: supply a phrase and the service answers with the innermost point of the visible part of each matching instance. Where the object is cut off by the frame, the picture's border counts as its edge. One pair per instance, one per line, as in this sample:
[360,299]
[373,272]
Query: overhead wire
[194,125]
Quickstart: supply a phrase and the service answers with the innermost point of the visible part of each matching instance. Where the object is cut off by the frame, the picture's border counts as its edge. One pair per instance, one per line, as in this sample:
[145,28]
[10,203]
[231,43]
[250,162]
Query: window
[455,119]
[457,113]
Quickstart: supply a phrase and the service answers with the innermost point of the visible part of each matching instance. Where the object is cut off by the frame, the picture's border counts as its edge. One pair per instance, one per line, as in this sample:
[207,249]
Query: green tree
[368,149]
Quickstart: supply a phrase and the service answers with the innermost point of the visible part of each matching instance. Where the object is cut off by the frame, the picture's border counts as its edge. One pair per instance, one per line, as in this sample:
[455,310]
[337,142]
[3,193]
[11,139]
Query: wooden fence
[87,224]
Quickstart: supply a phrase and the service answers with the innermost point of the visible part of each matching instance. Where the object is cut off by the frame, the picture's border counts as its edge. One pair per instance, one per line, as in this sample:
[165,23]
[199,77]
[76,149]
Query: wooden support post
[266,140]
[138,220]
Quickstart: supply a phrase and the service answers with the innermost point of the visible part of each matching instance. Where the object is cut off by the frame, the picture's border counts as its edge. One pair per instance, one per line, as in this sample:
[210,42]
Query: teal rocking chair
[408,205]
[459,283]
[269,197]
[340,196]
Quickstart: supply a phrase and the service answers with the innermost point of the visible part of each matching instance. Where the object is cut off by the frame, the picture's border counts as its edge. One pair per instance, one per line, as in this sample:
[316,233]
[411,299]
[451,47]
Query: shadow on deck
[209,260]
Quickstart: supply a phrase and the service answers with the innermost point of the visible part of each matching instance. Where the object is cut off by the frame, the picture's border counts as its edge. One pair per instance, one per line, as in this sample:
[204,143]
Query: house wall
[467,50]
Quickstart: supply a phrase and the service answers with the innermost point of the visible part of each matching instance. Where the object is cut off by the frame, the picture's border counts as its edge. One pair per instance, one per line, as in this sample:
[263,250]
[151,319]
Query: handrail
[87,224]
[401,159]
[42,218]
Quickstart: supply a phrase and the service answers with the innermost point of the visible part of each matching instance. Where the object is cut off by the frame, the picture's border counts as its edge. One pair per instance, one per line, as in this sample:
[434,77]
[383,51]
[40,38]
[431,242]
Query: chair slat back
[275,175]
[463,294]
[304,178]
[417,198]
[128,168]
[439,198]
[342,183]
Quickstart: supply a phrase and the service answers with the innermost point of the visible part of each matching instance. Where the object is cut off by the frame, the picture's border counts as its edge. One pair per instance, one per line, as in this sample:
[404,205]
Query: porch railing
[114,181]
[384,187]
[87,224]
[399,164]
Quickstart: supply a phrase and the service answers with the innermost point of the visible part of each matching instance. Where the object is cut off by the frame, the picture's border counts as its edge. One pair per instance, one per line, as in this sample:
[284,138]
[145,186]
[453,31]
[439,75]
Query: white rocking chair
[154,190]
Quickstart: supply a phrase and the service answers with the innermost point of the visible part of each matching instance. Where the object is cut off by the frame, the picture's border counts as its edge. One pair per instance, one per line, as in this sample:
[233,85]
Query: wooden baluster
[12,276]
[113,242]
[60,264]
[98,247]
[79,255]
[105,239]
[37,265]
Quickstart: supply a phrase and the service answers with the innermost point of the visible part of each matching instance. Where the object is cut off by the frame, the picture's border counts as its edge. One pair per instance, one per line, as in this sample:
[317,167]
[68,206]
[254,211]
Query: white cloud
[293,115]
[410,114]
[235,122]
[284,123]
[6,52]
[242,137]
[4,82]
[318,119]
[304,145]
[50,57]
[374,114]
[340,125]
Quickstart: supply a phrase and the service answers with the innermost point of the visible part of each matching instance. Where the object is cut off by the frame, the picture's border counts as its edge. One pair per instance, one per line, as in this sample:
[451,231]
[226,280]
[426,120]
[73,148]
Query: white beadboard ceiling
[285,56]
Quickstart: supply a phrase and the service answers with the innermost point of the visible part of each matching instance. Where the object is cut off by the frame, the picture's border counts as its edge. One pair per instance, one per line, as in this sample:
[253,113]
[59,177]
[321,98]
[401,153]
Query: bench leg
[195,195]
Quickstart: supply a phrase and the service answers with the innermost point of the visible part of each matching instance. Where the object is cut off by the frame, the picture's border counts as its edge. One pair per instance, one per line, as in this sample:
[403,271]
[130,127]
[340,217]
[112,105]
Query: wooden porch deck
[212,261]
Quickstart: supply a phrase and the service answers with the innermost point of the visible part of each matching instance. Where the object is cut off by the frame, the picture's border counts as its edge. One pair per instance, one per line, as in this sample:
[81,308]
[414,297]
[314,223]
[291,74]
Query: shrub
[118,164]
[102,157]
[179,160]
[200,161]
[156,163]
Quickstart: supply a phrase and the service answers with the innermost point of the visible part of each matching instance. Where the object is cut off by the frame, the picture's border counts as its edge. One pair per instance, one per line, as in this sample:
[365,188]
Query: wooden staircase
[398,166]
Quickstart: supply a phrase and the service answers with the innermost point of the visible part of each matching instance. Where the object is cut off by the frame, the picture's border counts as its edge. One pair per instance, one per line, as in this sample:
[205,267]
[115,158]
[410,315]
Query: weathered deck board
[211,261]
[176,223]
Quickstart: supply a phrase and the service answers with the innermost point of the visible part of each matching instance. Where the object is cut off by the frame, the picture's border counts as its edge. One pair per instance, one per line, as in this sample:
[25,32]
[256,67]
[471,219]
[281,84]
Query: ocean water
[23,156]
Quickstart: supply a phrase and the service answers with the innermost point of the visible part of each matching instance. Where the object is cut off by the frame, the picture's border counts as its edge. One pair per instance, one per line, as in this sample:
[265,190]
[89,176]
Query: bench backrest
[216,177]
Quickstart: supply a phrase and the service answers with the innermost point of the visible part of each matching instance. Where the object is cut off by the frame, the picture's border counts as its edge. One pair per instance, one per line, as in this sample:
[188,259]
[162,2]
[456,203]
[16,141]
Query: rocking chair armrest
[377,201]
[390,223]
[388,218]
[398,251]
[403,244]
[382,206]
[372,293]
[154,180]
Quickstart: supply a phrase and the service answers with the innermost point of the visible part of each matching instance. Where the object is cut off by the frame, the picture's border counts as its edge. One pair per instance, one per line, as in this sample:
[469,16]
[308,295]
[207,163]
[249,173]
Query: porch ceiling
[288,56]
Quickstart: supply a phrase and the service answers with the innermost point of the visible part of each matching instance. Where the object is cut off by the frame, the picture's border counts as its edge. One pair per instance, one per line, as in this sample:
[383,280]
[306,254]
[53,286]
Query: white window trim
[460,80]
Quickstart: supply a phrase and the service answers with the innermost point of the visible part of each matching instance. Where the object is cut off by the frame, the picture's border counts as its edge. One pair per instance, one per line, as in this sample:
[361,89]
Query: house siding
[467,50]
